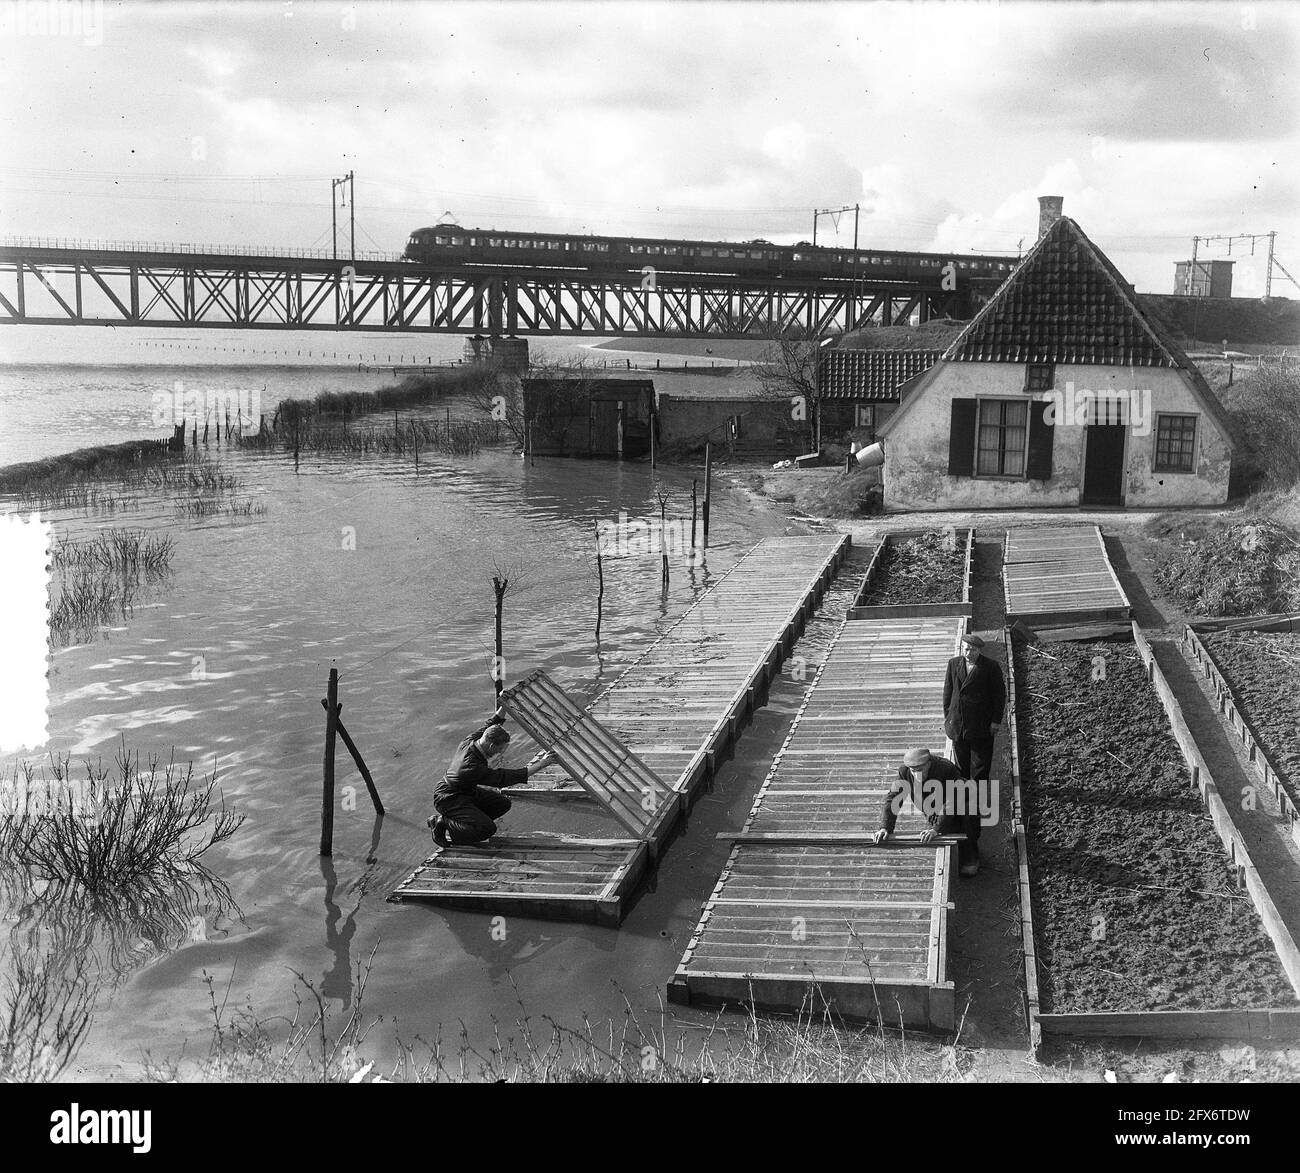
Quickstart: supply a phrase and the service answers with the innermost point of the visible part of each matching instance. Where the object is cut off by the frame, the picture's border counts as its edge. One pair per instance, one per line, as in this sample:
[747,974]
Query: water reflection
[118,931]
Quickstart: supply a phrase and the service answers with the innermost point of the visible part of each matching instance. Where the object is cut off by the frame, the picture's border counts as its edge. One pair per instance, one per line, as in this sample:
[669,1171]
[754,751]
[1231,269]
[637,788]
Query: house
[1061,391]
[858,389]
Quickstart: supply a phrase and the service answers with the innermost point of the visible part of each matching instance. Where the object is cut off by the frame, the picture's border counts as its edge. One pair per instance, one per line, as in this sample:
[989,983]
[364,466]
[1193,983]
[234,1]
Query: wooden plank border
[1235,720]
[1244,1024]
[964,607]
[1180,1023]
[1028,946]
[1252,1025]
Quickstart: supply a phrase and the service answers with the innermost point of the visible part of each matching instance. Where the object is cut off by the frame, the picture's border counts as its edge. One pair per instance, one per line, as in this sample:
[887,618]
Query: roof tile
[870,374]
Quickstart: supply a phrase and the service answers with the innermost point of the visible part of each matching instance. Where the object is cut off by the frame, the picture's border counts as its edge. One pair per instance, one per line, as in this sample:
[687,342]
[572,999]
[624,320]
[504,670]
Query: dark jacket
[972,698]
[469,768]
[902,791]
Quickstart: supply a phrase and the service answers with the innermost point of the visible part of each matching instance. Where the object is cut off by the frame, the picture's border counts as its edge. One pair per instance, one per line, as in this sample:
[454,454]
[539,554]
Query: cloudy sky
[223,123]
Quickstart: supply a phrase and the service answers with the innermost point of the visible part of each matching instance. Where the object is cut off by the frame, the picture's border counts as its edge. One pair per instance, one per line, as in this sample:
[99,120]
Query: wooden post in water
[327,794]
[652,441]
[196,433]
[600,583]
[205,429]
[708,487]
[694,502]
[663,538]
[356,757]
[499,586]
[415,445]
[397,434]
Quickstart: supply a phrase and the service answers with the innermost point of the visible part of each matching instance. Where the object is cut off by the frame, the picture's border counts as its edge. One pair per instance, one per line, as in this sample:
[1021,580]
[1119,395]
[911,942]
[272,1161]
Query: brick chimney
[1049,212]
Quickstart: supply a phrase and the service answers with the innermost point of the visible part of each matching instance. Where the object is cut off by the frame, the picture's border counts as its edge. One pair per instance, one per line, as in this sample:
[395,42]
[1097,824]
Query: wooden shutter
[961,438]
[1038,458]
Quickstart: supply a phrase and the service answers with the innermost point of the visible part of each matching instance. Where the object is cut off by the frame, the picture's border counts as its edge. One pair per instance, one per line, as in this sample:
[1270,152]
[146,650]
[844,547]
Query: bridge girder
[71,287]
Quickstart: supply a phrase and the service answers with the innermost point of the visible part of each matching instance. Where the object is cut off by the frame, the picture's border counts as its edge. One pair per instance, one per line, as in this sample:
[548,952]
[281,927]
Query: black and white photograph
[649,542]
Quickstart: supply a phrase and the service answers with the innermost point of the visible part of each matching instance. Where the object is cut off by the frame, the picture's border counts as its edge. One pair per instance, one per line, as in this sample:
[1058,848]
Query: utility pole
[348,182]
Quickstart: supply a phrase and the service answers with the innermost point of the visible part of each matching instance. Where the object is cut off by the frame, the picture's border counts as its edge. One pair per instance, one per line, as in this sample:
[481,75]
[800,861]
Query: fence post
[327,794]
[708,487]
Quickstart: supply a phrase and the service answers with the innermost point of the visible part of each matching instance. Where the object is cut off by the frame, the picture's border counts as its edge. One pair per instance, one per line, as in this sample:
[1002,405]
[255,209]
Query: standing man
[974,698]
[469,799]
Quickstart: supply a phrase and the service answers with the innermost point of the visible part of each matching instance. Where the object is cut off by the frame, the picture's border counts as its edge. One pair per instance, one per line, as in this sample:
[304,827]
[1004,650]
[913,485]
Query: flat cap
[916,757]
[973,640]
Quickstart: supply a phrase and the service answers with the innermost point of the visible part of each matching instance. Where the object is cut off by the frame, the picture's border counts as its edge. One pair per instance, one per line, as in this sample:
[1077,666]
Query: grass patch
[412,391]
[100,579]
[1239,565]
[107,462]
[313,1044]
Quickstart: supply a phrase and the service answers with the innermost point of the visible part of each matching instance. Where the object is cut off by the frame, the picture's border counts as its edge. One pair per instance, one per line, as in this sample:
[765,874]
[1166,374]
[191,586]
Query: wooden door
[1103,465]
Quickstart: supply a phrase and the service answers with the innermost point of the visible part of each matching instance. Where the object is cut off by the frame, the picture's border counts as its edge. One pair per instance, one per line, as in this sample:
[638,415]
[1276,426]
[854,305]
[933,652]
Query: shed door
[1103,465]
[606,426]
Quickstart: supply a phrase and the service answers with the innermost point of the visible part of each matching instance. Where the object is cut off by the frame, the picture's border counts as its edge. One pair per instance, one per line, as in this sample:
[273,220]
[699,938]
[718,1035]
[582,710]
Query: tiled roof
[870,374]
[1065,303]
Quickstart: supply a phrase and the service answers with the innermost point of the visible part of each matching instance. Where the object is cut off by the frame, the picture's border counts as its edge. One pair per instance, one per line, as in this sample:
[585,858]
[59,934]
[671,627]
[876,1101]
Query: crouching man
[468,800]
[922,778]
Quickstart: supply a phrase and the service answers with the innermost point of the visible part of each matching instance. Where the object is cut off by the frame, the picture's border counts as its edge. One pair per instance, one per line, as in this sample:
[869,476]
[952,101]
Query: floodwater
[226,663]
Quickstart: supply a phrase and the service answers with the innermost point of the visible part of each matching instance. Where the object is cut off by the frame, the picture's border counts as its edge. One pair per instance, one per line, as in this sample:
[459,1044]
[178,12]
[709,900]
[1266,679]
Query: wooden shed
[608,418]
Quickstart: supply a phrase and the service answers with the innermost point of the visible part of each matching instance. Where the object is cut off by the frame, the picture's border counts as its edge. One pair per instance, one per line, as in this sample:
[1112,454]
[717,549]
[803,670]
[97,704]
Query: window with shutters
[866,415]
[1175,443]
[1001,438]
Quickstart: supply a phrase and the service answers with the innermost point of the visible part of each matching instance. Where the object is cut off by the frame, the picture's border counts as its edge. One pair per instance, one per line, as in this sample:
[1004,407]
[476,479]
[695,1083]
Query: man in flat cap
[929,781]
[974,699]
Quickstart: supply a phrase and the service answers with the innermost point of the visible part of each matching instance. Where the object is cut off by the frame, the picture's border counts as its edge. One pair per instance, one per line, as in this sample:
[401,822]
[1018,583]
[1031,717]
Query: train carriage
[451,245]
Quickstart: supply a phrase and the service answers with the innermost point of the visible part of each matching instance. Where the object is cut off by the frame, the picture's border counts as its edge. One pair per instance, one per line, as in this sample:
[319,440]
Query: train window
[670,250]
[706,252]
[458,241]
[636,248]
[494,241]
[654,249]
[603,248]
[799,257]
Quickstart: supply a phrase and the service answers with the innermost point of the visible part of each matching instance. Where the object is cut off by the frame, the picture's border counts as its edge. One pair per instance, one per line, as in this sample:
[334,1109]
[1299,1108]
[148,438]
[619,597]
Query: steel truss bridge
[137,286]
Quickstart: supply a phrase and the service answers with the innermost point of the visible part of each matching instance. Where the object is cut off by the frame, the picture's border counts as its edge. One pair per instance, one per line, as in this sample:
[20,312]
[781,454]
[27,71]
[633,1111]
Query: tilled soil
[1135,905]
[1263,669]
[919,570]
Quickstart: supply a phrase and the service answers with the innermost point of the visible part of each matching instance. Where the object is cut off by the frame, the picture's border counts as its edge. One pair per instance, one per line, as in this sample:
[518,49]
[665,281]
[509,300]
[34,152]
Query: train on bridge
[451,245]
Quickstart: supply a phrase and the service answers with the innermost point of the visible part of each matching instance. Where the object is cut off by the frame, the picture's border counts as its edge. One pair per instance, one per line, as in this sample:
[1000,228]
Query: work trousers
[471,818]
[974,759]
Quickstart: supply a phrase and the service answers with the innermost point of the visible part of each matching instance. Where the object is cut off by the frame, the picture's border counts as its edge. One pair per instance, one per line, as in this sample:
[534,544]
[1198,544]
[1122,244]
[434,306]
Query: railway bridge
[53,282]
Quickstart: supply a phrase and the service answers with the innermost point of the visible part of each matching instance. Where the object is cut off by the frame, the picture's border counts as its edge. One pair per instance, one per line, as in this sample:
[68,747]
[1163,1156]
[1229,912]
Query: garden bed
[1263,671]
[1136,906]
[918,573]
